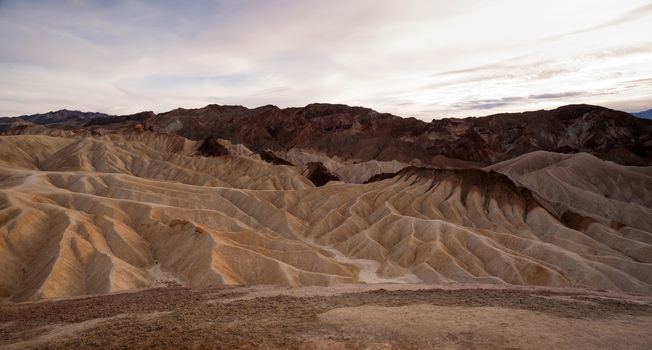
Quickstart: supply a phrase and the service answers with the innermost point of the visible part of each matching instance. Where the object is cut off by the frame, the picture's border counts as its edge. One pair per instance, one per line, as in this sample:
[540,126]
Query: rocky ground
[387,316]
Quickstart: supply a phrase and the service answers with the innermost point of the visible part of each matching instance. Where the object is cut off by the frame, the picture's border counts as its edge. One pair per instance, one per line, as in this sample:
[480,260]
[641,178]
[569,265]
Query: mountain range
[325,194]
[362,134]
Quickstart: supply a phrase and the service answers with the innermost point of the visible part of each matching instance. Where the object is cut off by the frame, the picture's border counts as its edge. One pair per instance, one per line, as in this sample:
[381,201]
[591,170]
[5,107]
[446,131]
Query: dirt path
[341,317]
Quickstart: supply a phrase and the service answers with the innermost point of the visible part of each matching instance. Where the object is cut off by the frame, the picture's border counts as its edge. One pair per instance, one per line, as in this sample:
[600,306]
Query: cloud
[454,59]
[549,96]
[477,69]
[619,52]
[629,16]
[565,97]
[640,82]
[489,104]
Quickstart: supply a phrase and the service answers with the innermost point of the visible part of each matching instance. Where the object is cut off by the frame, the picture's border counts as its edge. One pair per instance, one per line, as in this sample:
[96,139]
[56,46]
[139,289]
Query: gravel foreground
[338,317]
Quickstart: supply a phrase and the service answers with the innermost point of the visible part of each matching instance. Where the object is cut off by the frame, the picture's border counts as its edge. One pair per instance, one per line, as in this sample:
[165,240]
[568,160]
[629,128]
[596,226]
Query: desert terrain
[99,214]
[284,174]
[128,233]
[394,316]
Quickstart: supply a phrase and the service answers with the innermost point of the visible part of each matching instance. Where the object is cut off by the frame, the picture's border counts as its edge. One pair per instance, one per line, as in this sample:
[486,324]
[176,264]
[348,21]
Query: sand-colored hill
[581,183]
[99,214]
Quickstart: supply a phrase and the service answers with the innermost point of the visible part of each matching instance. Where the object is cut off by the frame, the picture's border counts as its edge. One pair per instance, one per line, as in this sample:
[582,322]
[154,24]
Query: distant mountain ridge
[362,134]
[644,114]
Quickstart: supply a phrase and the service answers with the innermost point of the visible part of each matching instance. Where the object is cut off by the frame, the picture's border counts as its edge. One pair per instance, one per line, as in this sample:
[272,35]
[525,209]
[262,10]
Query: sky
[425,59]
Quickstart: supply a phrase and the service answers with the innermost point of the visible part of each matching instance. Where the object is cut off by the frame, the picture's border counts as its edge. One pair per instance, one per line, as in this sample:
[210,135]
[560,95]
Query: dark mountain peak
[70,119]
[62,116]
[208,111]
[66,111]
[315,110]
[217,107]
[591,111]
[580,107]
[269,111]
[63,113]
[267,107]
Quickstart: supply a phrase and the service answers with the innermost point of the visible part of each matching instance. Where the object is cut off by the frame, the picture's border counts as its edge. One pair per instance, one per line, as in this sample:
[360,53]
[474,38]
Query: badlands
[116,227]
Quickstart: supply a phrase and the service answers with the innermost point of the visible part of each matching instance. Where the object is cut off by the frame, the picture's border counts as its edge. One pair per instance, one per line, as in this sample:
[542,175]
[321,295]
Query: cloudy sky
[427,59]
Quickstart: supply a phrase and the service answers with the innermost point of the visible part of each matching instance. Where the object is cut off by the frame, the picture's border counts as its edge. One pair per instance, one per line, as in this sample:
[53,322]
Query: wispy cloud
[559,98]
[556,95]
[489,104]
[631,15]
